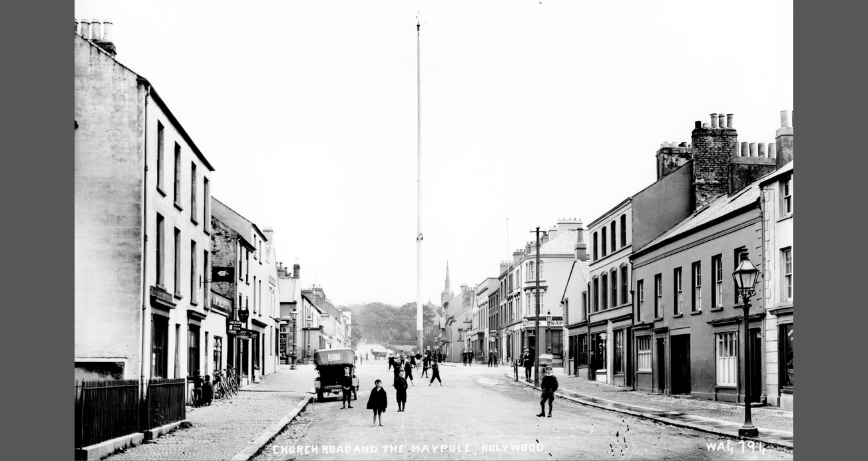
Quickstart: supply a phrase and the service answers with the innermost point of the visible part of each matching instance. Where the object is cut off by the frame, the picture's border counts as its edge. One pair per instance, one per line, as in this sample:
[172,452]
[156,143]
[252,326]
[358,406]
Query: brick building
[237,246]
[142,227]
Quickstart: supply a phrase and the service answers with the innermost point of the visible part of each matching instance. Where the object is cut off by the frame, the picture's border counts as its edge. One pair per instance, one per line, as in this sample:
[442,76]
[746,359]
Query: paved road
[479,414]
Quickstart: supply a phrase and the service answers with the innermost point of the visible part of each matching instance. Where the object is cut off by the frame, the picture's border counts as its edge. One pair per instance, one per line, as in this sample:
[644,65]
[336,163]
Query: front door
[756,378]
[661,365]
[680,364]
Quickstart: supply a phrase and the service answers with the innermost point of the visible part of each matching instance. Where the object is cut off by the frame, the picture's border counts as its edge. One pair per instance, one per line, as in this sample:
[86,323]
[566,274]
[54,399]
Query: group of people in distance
[403,369]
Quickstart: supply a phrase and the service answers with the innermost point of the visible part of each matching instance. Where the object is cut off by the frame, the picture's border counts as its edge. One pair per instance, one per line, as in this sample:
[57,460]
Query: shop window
[583,350]
[785,351]
[727,358]
[193,350]
[643,353]
[618,360]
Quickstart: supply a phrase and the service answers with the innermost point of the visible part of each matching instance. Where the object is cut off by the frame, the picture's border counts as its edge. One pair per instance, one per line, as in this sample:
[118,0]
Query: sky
[530,112]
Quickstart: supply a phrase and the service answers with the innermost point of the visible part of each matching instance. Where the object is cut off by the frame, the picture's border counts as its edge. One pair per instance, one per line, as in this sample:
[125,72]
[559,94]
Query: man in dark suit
[527,360]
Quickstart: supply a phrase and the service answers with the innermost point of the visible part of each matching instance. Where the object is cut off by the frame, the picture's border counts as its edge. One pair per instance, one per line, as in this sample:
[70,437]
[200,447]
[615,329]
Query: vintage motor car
[330,365]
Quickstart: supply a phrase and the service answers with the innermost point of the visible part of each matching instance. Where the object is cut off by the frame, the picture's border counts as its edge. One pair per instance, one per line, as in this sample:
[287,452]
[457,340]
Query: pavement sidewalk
[775,425]
[233,426]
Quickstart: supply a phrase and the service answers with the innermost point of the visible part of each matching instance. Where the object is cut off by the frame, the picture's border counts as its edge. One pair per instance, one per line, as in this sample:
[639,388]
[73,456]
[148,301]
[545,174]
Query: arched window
[604,282]
[596,294]
[623,230]
[624,284]
[614,279]
[596,256]
[614,237]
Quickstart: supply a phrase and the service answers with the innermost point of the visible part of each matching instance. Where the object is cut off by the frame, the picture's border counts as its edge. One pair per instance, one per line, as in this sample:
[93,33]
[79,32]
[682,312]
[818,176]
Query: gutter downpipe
[144,235]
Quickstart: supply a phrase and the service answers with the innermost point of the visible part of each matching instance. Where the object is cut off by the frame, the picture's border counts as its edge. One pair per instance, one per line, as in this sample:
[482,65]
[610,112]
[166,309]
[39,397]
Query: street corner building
[688,318]
[146,307]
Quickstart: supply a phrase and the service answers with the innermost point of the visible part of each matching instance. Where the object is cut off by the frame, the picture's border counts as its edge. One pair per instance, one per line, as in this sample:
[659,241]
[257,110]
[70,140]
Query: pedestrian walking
[347,387]
[426,362]
[397,369]
[366,356]
[527,361]
[470,358]
[496,363]
[435,374]
[401,391]
[549,385]
[378,401]
[408,372]
[490,359]
[391,361]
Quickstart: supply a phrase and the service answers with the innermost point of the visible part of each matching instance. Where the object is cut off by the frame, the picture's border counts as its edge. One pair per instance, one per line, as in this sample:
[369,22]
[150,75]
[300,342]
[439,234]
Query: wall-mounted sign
[222,274]
[221,303]
[234,326]
[245,333]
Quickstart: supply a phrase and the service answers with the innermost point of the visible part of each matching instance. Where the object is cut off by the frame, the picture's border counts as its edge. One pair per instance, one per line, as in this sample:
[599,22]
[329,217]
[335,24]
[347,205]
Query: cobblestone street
[225,428]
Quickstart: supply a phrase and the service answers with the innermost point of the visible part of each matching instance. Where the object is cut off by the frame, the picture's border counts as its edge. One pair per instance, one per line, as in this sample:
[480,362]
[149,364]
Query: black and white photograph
[565,227]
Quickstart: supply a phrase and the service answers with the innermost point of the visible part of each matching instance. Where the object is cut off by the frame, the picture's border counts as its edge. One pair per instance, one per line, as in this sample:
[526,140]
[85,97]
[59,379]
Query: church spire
[447,277]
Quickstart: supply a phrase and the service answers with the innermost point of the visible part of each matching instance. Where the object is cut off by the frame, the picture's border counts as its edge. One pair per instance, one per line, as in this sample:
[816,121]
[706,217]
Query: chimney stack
[784,141]
[517,255]
[712,153]
[296,271]
[581,246]
[504,265]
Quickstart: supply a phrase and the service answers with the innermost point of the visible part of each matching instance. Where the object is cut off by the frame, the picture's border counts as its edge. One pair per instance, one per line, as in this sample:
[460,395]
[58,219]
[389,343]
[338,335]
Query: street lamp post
[745,276]
[293,355]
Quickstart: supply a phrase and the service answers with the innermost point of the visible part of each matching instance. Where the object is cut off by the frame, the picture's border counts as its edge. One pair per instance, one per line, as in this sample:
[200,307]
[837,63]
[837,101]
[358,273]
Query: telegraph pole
[537,341]
[418,195]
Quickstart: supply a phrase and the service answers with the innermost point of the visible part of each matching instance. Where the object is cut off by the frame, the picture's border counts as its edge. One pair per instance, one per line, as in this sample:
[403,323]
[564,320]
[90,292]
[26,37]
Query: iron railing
[105,410]
[165,401]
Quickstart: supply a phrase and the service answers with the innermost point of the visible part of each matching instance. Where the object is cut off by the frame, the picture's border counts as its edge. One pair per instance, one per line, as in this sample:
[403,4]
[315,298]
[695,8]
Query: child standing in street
[378,402]
[401,391]
[207,391]
[549,385]
[435,374]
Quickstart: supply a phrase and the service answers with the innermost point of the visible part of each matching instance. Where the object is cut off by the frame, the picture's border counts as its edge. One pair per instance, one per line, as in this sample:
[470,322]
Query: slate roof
[565,243]
[717,208]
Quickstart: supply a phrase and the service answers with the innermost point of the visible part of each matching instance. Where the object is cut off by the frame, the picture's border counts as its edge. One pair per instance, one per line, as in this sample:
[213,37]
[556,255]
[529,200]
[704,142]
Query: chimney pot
[729,121]
[785,119]
[107,31]
[705,125]
[761,149]
[664,144]
[721,120]
[745,152]
[771,150]
[683,144]
[752,149]
[85,29]
[95,29]
[714,120]
[697,124]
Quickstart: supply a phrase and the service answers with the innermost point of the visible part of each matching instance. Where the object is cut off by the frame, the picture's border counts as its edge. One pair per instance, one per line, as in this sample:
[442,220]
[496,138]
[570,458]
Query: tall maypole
[419,196]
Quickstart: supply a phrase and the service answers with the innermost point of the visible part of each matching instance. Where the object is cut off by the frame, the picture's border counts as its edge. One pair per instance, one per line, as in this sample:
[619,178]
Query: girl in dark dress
[378,402]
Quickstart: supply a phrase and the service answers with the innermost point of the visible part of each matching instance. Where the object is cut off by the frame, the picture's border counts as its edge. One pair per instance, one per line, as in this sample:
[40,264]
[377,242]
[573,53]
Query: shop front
[577,362]
[552,334]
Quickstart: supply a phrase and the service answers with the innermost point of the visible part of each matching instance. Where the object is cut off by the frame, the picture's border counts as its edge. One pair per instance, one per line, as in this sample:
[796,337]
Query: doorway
[756,377]
[661,365]
[680,364]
